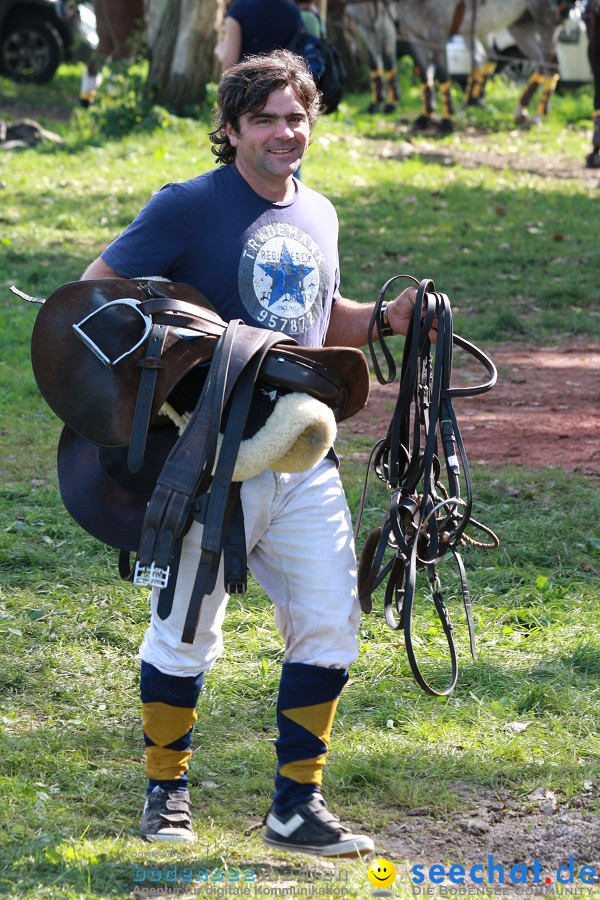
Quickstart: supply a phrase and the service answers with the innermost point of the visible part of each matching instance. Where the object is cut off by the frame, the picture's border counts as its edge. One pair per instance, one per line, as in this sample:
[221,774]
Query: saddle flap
[97,331]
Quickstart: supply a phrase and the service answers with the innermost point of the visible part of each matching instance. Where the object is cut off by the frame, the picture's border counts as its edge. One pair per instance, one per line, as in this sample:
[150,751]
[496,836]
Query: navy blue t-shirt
[266,24]
[273,265]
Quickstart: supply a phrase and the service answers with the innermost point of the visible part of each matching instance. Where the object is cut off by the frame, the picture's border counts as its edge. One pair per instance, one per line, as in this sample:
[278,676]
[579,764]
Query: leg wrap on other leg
[308,698]
[446,98]
[548,88]
[168,718]
[477,82]
[391,86]
[427,98]
[376,90]
[535,79]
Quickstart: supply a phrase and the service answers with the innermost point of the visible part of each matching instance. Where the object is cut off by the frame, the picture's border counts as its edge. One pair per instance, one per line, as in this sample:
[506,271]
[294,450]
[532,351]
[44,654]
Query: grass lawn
[517,252]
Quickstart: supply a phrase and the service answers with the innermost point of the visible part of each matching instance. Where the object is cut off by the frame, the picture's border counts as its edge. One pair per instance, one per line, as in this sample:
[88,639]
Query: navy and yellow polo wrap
[308,699]
[168,718]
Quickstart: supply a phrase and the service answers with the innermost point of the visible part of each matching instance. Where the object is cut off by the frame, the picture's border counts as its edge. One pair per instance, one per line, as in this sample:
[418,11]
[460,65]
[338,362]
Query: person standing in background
[258,26]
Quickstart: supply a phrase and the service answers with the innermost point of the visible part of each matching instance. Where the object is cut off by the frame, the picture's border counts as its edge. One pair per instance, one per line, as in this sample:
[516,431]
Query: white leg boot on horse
[91,80]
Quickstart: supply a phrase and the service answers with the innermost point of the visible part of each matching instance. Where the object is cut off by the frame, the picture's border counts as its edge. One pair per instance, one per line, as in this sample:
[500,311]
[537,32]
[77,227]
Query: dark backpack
[326,66]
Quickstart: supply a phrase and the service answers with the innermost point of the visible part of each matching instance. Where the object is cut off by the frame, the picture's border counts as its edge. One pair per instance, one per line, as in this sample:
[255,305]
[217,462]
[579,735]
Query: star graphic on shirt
[287,277]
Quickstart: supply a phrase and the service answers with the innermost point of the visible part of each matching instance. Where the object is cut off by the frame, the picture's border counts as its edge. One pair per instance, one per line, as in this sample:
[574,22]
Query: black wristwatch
[385,328]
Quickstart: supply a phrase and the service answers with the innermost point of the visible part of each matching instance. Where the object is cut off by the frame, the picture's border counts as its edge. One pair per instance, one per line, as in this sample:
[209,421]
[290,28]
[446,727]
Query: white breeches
[301,551]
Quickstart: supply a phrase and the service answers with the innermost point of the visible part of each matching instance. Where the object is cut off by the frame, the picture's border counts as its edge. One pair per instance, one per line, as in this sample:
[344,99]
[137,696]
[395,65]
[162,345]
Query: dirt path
[543,412]
[512,832]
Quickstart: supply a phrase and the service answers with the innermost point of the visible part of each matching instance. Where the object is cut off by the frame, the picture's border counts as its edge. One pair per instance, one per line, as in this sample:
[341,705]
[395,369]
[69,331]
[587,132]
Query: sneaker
[311,828]
[167,817]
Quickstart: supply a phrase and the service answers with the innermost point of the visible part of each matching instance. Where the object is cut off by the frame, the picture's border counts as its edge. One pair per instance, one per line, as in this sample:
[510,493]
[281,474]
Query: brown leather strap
[457,18]
[249,351]
[143,405]
[174,312]
[189,464]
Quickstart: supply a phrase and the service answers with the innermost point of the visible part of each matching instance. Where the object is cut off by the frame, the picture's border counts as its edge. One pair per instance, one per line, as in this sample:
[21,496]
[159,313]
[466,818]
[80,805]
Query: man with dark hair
[263,248]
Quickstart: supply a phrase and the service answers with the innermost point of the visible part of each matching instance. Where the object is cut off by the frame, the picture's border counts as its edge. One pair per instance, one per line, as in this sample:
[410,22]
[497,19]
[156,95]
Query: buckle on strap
[151,576]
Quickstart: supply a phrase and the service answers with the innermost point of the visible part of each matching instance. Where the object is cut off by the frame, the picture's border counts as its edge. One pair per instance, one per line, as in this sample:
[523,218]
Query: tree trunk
[182,35]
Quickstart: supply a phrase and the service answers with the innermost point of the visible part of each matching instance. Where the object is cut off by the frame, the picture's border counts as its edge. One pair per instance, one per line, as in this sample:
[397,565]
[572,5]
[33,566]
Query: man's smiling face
[271,143]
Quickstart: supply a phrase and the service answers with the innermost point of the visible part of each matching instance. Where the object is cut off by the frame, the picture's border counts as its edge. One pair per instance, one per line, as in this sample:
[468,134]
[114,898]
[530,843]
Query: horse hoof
[445,126]
[592,160]
[521,115]
[389,108]
[423,123]
[373,108]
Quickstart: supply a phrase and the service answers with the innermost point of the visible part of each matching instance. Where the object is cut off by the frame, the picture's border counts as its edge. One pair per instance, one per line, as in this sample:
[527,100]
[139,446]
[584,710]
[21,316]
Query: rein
[428,512]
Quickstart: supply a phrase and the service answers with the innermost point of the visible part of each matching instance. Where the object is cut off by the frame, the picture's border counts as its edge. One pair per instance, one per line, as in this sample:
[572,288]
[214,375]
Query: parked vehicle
[571,50]
[36,36]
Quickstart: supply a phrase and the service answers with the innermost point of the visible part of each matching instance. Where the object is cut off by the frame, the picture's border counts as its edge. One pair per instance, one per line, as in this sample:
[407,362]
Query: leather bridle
[428,512]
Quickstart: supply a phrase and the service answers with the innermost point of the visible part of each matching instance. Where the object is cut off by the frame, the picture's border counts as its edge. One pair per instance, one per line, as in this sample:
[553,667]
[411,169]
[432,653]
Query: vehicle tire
[31,50]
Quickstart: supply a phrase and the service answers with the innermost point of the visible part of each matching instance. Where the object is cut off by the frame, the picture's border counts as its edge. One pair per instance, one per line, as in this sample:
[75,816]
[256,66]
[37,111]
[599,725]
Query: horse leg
[593,159]
[376,91]
[92,74]
[424,122]
[116,24]
[531,88]
[390,60]
[392,91]
[91,79]
[536,37]
[446,124]
[548,88]
[593,30]
[477,82]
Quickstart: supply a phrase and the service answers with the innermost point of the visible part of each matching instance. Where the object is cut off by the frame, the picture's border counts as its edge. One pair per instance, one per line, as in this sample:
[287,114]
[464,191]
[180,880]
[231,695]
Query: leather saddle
[92,340]
[161,401]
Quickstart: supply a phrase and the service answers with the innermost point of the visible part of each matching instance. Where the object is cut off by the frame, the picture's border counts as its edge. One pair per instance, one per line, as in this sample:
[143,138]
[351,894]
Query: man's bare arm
[230,48]
[99,269]
[349,323]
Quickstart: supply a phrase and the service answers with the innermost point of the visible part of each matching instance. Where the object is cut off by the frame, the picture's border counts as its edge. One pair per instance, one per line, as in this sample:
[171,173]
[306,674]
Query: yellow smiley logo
[382,873]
